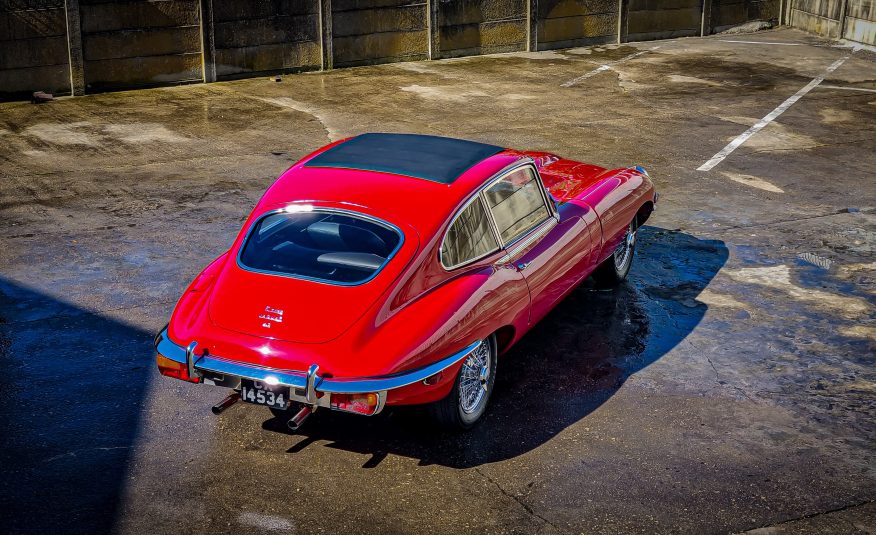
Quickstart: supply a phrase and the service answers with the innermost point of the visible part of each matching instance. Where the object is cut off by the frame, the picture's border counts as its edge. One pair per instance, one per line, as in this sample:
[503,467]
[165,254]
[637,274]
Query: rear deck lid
[307,275]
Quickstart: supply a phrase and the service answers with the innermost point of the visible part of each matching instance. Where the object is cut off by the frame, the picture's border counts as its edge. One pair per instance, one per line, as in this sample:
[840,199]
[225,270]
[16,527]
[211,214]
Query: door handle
[522,265]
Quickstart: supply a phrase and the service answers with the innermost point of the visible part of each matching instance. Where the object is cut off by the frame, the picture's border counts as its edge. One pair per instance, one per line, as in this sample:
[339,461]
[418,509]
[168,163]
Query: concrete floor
[729,386]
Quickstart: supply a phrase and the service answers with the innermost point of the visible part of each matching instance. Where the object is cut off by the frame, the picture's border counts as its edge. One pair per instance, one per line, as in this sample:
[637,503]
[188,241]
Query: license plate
[276,397]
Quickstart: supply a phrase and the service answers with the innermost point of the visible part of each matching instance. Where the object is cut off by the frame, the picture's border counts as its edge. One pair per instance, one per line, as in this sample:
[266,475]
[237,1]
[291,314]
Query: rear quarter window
[469,236]
[335,247]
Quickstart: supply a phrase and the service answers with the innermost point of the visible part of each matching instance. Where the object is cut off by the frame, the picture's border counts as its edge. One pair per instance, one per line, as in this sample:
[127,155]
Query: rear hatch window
[325,245]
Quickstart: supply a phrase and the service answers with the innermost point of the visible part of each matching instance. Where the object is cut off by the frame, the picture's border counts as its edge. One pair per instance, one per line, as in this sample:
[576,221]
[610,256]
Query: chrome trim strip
[482,195]
[310,391]
[309,381]
[527,239]
[221,366]
[190,362]
[323,209]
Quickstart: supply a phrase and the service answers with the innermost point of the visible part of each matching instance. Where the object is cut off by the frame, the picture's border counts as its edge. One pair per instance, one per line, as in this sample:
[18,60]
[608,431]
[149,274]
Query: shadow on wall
[38,17]
[564,369]
[33,48]
[73,388]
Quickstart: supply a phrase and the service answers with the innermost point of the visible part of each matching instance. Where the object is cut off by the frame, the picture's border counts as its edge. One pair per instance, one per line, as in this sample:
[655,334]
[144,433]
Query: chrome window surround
[480,194]
[320,209]
[223,372]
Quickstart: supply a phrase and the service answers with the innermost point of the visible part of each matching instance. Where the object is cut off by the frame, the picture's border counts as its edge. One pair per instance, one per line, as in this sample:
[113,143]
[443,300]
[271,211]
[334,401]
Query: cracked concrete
[728,386]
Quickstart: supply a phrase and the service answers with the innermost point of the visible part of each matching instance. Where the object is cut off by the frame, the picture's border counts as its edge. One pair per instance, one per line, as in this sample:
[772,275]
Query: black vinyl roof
[439,159]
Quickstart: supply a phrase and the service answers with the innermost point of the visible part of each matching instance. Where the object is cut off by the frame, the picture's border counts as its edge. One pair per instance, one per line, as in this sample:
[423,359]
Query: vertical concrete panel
[325,36]
[663,19]
[816,16]
[260,37]
[208,40]
[568,23]
[366,32]
[434,28]
[74,48]
[860,22]
[33,48]
[139,43]
[469,27]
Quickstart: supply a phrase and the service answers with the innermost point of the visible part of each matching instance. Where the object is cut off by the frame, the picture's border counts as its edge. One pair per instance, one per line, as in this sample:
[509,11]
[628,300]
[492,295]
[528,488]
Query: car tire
[463,407]
[614,269]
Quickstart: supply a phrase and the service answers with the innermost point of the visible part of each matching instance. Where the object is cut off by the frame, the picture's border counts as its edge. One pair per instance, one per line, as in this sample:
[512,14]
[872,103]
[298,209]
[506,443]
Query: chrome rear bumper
[306,386]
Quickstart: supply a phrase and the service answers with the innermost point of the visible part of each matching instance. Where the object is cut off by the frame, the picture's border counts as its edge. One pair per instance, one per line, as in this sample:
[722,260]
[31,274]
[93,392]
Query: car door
[551,246]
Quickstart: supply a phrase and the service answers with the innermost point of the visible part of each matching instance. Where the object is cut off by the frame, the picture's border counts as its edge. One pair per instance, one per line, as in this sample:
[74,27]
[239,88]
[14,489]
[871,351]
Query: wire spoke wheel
[467,401]
[624,251]
[474,379]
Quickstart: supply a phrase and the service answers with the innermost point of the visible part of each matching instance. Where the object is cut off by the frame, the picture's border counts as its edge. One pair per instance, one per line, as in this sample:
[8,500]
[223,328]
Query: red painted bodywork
[413,312]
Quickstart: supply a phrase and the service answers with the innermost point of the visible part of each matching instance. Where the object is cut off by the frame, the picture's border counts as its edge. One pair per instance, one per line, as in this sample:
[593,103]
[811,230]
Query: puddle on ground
[90,134]
[778,278]
[459,93]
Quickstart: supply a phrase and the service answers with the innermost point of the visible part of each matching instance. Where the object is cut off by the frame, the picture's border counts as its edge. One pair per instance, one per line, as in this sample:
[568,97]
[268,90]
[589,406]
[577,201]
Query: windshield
[325,245]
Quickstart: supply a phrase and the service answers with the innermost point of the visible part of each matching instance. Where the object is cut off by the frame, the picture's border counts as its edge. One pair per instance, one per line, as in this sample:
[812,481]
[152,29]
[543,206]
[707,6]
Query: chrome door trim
[524,241]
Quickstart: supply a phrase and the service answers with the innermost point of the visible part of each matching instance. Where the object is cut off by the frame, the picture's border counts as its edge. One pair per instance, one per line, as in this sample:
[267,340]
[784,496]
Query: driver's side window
[517,204]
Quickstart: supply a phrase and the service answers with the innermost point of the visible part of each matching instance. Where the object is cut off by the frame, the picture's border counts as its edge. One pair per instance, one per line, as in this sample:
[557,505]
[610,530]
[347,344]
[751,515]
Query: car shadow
[568,365]
[73,388]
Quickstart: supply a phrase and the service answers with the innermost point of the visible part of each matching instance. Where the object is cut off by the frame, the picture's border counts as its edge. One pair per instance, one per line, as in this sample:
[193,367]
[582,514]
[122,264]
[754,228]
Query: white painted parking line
[742,138]
[864,89]
[607,66]
[759,42]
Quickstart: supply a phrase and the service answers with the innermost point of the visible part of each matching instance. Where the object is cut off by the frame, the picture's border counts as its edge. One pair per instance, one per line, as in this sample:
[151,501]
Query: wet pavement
[729,386]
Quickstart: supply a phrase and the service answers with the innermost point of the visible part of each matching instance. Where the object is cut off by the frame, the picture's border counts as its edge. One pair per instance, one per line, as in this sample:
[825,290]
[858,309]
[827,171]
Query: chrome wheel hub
[474,379]
[624,250]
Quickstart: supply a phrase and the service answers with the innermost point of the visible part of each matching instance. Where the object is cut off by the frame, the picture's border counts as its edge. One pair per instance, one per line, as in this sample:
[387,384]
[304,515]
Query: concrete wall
[860,22]
[33,47]
[264,36]
[662,19]
[140,42]
[854,20]
[568,23]
[94,45]
[817,16]
[378,31]
[468,27]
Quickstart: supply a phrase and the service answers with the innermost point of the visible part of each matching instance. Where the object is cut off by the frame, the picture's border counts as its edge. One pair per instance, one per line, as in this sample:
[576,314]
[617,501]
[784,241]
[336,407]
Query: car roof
[400,199]
[439,159]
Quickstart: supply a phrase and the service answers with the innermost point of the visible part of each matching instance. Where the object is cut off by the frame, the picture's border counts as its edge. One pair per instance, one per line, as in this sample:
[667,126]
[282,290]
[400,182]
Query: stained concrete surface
[729,386]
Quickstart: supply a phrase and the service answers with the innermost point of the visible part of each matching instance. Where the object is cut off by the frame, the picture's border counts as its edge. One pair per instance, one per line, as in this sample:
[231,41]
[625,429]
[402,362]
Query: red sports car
[394,269]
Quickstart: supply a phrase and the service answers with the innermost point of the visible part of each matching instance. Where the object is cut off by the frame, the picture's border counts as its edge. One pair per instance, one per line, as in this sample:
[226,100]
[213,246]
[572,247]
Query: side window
[469,237]
[517,203]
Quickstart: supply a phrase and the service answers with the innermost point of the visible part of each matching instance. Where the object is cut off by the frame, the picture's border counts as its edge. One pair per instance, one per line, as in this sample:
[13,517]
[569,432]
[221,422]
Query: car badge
[271,314]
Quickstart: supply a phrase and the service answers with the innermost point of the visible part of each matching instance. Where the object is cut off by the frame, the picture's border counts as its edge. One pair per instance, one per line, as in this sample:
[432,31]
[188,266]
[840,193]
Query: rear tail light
[172,368]
[359,403]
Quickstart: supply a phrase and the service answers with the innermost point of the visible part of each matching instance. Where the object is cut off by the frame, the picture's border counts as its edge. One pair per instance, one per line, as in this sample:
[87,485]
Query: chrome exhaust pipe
[229,400]
[297,421]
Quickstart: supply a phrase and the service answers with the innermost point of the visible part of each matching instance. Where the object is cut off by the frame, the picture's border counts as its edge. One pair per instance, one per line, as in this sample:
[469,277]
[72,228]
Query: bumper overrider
[306,387]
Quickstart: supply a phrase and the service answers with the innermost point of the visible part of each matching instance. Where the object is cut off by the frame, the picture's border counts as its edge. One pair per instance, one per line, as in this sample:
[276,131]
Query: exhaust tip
[300,417]
[230,400]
